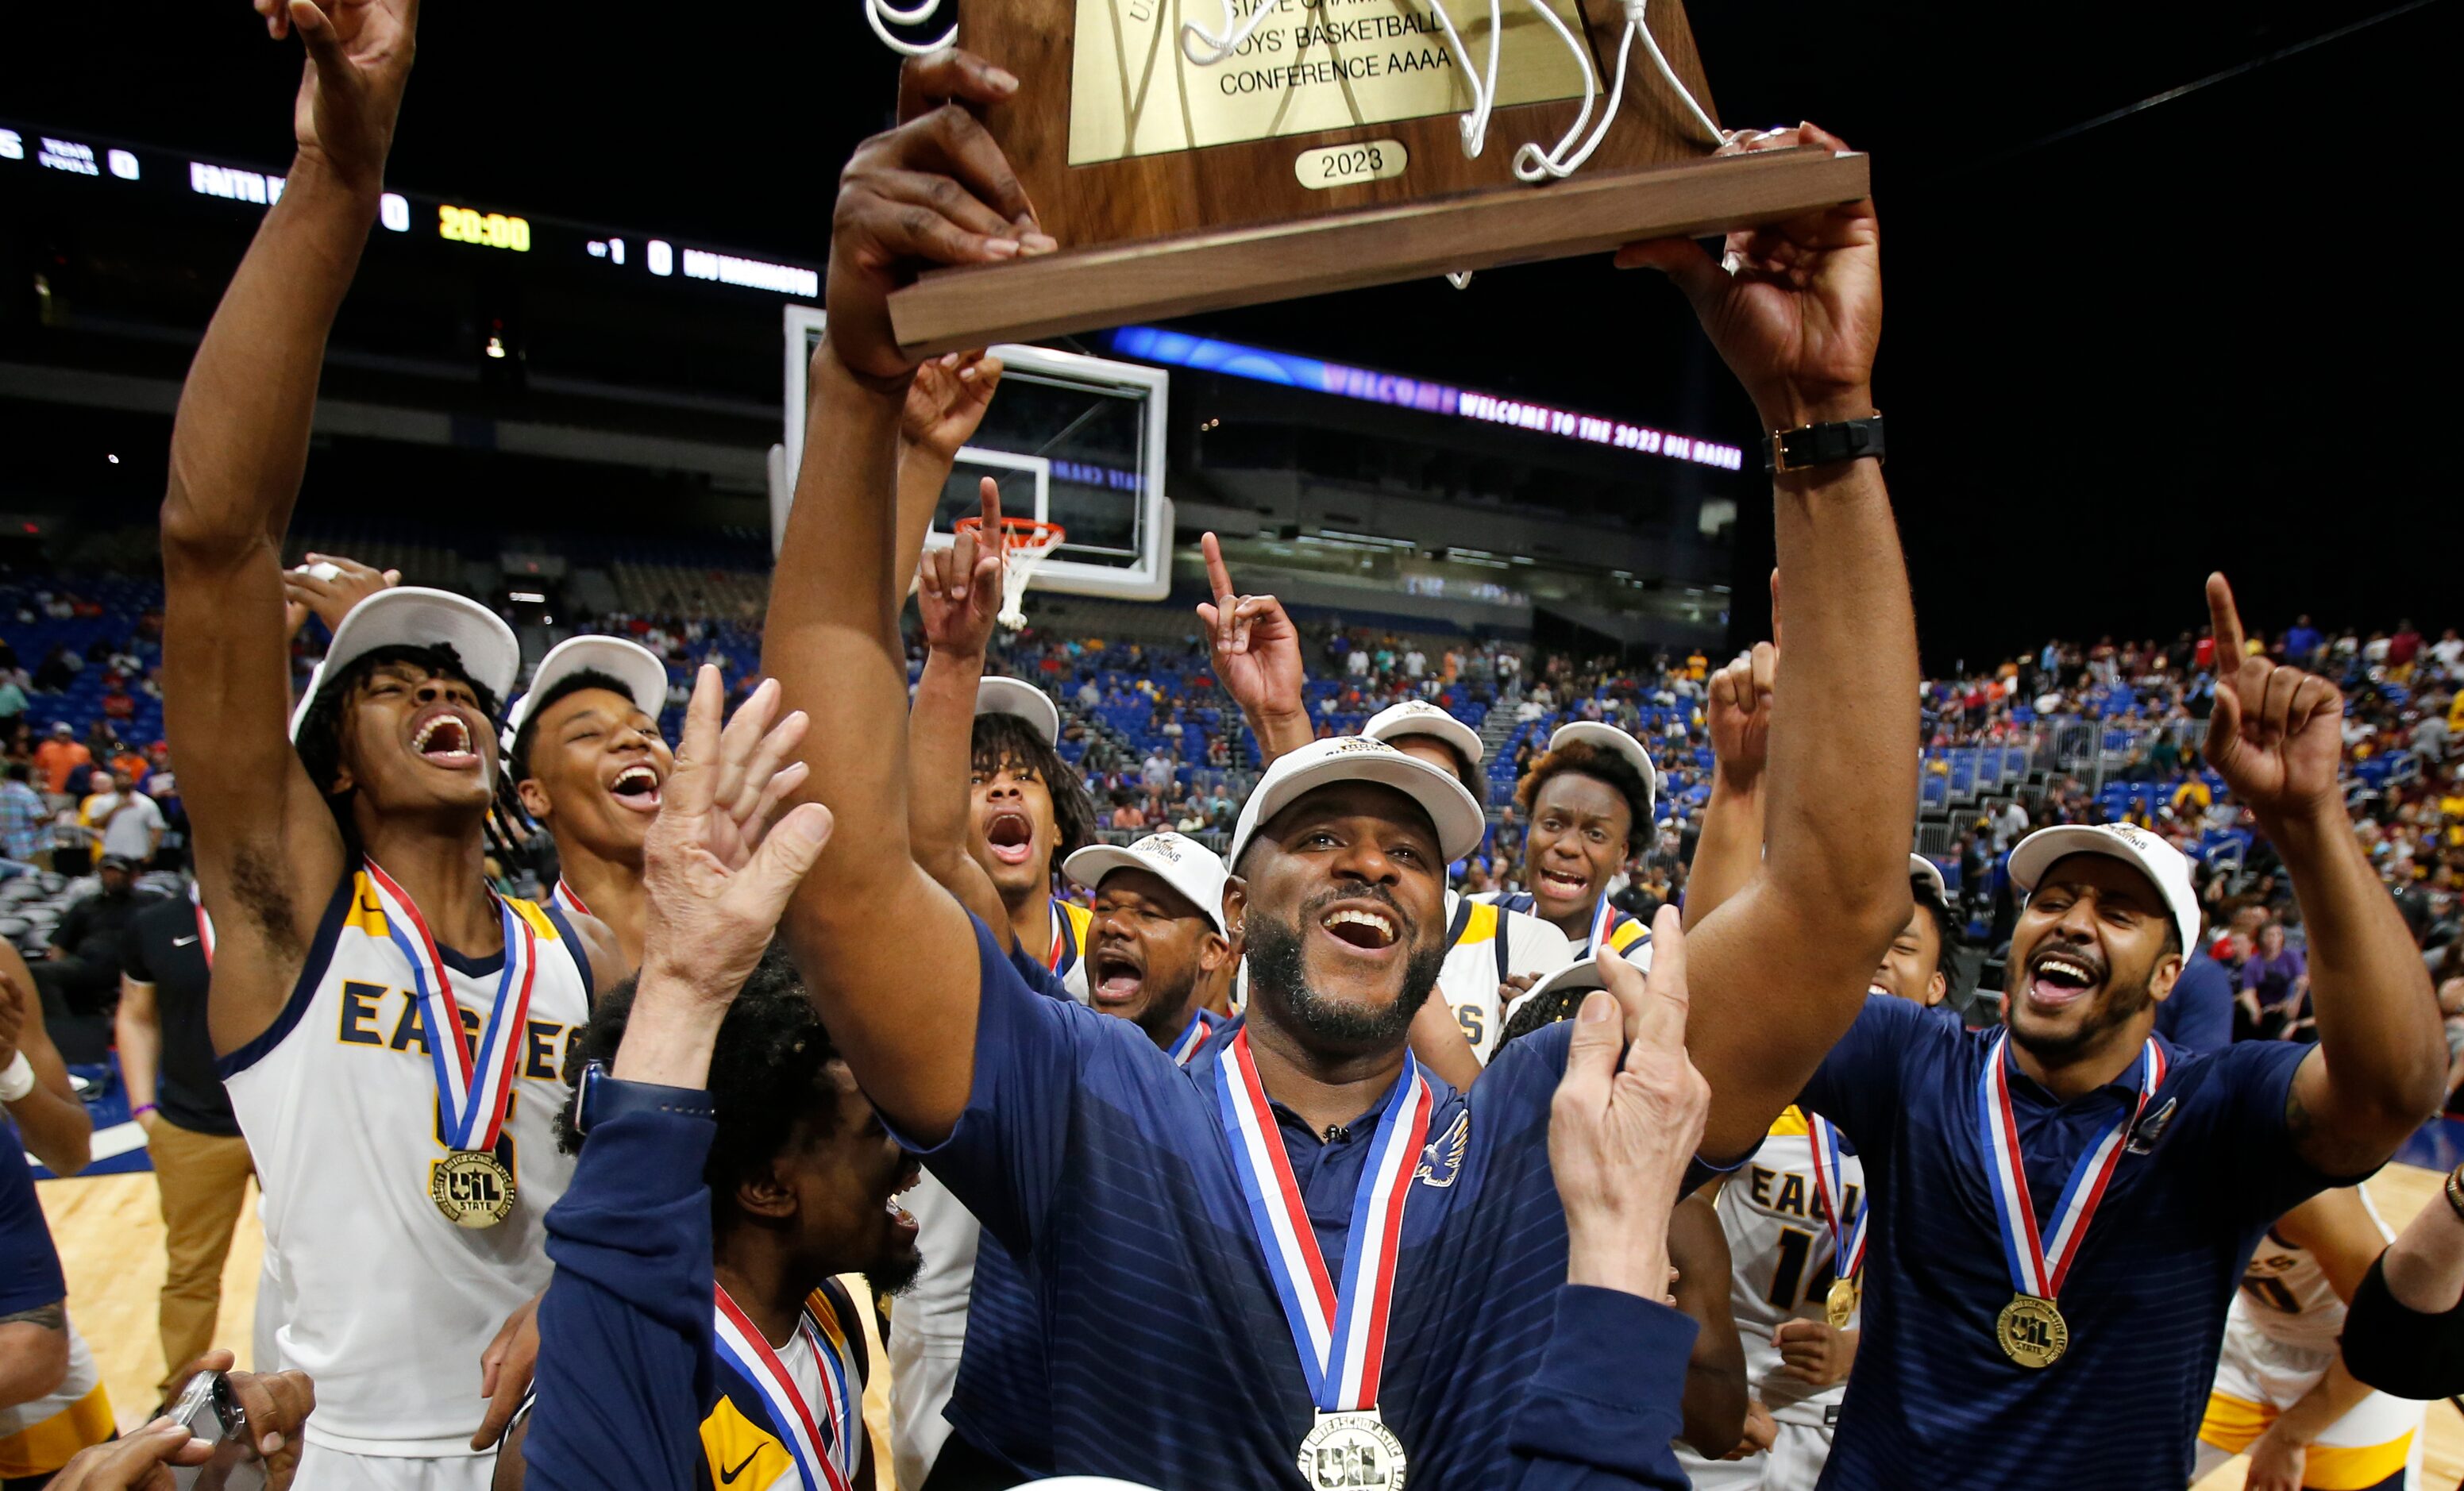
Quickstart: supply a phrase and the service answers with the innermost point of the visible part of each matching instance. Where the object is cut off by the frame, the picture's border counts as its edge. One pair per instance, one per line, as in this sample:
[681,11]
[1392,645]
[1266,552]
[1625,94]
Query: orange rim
[1018,533]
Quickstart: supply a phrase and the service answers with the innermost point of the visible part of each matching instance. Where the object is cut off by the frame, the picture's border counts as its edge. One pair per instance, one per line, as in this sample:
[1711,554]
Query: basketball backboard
[1071,439]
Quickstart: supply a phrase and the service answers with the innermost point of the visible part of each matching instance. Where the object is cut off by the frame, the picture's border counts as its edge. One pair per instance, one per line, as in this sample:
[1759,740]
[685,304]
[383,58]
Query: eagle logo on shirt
[1442,1157]
[2143,1138]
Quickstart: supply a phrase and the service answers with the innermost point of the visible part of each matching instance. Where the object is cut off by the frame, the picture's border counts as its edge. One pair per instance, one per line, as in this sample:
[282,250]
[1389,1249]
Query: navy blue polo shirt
[2197,1016]
[1104,1171]
[30,1269]
[2210,1168]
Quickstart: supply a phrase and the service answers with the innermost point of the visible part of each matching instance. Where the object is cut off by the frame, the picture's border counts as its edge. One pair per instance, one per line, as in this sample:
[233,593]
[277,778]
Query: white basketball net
[1023,551]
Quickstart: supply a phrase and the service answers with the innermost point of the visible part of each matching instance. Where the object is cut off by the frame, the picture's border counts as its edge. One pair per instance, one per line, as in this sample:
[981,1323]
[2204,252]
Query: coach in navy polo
[1171,1356]
[1992,1360]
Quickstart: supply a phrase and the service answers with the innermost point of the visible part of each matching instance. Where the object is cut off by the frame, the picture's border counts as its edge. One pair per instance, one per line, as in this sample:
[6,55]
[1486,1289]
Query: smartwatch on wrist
[1822,445]
[599,1097]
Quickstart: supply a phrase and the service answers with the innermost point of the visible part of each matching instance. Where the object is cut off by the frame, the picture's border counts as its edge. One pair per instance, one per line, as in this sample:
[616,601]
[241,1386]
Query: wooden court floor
[110,1236]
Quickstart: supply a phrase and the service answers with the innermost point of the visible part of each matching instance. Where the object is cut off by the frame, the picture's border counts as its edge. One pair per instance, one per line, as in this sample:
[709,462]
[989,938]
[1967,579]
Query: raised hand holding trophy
[1194,155]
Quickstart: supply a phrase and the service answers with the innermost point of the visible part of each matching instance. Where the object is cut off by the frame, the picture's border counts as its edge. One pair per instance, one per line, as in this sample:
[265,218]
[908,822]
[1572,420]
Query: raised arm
[1257,658]
[886,952]
[944,405]
[268,853]
[1731,847]
[2276,740]
[53,1122]
[1781,969]
[958,597]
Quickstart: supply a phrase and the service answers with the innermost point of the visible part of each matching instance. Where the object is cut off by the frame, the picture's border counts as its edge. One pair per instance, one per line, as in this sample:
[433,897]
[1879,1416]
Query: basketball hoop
[1026,543]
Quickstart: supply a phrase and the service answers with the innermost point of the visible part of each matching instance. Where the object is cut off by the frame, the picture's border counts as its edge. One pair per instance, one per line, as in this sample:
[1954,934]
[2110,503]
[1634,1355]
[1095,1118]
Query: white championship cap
[1459,819]
[1182,863]
[413,615]
[1609,738]
[1421,717]
[999,695]
[1921,869]
[630,662]
[2159,861]
[1579,976]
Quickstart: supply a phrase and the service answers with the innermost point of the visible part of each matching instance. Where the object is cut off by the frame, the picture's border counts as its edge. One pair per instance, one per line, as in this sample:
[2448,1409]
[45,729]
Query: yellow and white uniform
[1071,924]
[390,1304]
[40,1436]
[1490,945]
[1780,1268]
[2279,1337]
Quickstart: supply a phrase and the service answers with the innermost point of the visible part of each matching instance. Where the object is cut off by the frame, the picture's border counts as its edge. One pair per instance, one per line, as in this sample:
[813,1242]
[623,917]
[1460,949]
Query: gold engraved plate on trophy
[1352,1449]
[1348,165]
[2031,1331]
[472,1187]
[1315,65]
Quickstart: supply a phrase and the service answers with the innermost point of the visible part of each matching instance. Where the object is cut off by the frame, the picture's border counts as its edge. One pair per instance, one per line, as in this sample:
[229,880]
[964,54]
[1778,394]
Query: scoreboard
[35,157]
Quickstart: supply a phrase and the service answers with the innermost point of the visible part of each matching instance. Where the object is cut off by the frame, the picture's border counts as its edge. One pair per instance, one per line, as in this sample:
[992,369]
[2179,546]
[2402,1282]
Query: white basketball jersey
[390,1302]
[1468,979]
[1779,1255]
[2285,1296]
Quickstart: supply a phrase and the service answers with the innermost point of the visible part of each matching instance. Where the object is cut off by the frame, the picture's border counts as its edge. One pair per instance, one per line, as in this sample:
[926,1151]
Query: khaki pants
[204,1179]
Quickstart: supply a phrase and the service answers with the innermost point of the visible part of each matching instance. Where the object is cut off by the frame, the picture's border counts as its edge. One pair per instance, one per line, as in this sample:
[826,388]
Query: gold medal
[1352,1449]
[1840,1305]
[2031,1331]
[472,1187]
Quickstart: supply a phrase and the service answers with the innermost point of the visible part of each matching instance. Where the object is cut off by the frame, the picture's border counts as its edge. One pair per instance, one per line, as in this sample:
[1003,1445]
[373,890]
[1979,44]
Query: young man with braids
[1080,1144]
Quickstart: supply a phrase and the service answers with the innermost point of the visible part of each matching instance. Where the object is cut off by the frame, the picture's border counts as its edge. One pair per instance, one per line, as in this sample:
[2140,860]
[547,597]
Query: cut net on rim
[1025,541]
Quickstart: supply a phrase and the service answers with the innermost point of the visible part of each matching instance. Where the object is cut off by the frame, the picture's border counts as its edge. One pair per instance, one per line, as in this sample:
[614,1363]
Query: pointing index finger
[2226,618]
[1218,578]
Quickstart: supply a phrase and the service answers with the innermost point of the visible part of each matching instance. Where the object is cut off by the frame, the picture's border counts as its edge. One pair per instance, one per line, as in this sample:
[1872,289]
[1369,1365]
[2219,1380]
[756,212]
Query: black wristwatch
[1820,445]
[599,1097]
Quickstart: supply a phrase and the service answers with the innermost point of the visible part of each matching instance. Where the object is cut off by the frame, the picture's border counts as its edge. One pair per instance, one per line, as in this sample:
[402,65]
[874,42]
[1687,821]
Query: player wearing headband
[583,753]
[2062,1207]
[1495,952]
[1081,1145]
[2282,1394]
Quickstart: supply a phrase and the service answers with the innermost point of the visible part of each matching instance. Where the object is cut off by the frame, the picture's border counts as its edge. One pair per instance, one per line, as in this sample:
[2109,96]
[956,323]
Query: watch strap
[599,1097]
[1821,445]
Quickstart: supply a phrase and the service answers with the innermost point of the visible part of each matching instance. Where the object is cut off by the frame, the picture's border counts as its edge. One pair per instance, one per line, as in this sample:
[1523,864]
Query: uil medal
[474,1079]
[1352,1449]
[2031,1331]
[472,1187]
[1847,1233]
[1339,1333]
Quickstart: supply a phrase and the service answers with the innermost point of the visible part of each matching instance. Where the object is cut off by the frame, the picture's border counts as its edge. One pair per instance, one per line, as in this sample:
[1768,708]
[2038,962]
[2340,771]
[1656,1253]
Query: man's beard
[1274,957]
[892,1276]
[2119,1008]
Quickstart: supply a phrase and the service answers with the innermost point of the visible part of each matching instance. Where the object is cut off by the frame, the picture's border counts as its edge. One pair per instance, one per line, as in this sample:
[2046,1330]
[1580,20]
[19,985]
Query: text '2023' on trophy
[1192,157]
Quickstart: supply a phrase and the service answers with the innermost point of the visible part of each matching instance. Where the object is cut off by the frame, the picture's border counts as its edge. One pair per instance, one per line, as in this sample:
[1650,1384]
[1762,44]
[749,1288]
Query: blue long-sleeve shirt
[626,1356]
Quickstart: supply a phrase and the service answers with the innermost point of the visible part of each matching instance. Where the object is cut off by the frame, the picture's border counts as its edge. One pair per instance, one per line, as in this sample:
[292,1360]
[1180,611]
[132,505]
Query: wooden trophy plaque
[1327,154]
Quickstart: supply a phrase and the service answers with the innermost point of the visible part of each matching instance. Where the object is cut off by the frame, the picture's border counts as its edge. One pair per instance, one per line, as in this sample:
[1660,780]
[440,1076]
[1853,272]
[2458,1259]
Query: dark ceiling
[2214,330]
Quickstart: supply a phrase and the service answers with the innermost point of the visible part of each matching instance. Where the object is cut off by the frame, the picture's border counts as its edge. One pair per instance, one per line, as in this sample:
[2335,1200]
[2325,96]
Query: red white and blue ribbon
[1186,1045]
[205,926]
[1847,1238]
[1341,1336]
[816,1453]
[1603,919]
[1060,939]
[472,1087]
[2040,1259]
[562,895]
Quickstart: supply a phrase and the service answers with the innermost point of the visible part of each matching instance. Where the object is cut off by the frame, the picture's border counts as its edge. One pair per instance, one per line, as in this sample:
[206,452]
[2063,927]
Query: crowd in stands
[2071,734]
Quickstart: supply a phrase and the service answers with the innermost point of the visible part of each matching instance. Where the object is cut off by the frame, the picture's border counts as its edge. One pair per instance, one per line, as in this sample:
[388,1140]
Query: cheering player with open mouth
[1080,1144]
